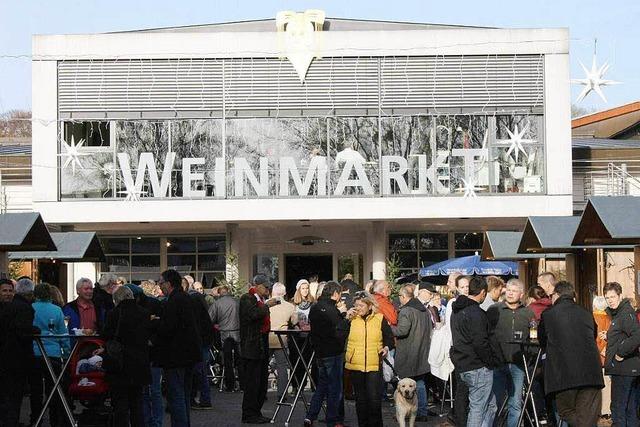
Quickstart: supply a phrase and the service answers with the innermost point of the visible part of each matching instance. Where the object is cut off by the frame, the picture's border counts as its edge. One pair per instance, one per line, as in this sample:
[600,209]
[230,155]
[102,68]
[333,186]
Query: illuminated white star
[72,153]
[593,80]
[469,187]
[132,195]
[515,141]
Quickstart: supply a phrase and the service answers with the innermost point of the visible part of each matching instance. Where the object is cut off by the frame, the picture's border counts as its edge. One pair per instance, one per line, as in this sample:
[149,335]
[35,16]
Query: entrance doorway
[304,266]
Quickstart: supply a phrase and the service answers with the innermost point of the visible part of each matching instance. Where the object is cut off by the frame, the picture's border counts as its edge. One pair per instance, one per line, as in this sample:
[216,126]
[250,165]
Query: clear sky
[615,23]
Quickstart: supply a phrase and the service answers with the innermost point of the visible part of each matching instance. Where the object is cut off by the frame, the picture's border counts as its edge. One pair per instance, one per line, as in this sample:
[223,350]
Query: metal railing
[605,179]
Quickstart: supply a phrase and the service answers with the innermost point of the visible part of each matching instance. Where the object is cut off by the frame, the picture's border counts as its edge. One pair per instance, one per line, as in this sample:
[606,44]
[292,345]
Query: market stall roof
[24,231]
[73,246]
[503,245]
[549,234]
[609,221]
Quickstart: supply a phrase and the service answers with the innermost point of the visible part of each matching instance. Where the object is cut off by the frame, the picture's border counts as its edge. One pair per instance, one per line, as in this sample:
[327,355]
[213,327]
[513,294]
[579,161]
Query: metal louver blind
[171,85]
[139,85]
[274,84]
[489,81]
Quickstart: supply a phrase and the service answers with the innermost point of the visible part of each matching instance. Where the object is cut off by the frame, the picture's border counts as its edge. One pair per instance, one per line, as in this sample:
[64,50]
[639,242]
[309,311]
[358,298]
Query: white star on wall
[593,80]
[469,187]
[72,153]
[515,141]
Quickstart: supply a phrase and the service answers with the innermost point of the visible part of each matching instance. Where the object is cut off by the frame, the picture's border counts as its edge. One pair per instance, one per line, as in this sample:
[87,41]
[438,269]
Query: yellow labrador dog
[406,401]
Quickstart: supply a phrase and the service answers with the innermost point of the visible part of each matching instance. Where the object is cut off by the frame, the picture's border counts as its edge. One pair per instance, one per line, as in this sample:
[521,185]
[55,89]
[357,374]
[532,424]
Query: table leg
[527,394]
[281,400]
[56,386]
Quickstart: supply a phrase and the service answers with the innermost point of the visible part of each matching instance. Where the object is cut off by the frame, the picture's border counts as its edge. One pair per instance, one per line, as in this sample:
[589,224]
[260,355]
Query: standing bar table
[57,378]
[293,334]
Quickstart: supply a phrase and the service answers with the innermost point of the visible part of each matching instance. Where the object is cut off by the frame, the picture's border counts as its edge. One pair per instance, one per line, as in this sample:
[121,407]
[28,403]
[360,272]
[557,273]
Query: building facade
[299,145]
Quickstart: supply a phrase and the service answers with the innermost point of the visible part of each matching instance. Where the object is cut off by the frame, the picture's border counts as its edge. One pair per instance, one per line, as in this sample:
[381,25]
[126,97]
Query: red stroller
[89,388]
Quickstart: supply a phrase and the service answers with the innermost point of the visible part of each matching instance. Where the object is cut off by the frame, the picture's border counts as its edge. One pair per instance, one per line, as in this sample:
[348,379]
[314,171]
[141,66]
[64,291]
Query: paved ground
[227,412]
[227,406]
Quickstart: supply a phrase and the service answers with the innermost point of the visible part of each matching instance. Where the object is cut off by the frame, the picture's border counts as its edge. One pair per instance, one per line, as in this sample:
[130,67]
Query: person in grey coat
[225,313]
[622,360]
[413,334]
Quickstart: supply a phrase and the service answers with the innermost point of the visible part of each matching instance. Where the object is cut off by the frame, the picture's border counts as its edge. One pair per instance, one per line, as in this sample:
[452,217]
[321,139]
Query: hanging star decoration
[516,141]
[469,187]
[593,80]
[72,153]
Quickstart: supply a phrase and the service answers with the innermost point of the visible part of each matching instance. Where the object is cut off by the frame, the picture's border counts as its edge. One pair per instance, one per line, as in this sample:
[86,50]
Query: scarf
[266,321]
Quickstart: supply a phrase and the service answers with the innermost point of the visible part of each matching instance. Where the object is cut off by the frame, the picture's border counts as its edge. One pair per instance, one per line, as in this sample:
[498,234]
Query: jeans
[152,403]
[329,386]
[368,402]
[281,369]
[421,391]
[508,380]
[624,401]
[12,388]
[480,382]
[178,395]
[202,379]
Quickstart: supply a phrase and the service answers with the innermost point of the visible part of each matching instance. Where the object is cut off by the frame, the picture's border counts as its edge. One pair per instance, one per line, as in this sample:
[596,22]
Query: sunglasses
[360,295]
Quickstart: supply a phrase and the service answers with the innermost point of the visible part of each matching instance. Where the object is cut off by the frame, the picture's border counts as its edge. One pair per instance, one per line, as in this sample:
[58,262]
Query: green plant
[392,272]
[232,277]
[15,269]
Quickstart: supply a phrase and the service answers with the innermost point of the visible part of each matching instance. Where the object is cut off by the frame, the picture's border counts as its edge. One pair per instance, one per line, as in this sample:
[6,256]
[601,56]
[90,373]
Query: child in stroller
[88,382]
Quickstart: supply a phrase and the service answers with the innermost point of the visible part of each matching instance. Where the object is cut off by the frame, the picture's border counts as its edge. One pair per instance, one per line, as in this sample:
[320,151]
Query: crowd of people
[478,336]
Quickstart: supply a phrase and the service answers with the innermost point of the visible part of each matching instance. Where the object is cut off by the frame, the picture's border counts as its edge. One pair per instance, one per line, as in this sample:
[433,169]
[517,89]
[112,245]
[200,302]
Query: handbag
[113,359]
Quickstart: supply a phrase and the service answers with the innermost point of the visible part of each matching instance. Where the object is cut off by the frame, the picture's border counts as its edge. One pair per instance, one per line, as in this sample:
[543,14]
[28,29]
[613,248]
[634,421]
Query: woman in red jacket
[538,301]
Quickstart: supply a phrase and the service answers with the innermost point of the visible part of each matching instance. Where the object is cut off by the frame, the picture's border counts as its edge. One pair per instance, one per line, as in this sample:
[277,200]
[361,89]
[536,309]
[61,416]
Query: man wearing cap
[413,337]
[426,293]
[254,347]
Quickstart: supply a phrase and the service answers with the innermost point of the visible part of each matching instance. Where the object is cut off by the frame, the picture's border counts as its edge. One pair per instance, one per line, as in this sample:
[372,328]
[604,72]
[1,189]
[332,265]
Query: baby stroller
[90,389]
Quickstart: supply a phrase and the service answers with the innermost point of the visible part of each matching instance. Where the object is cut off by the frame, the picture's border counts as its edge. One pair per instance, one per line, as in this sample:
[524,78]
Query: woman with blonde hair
[303,300]
[369,342]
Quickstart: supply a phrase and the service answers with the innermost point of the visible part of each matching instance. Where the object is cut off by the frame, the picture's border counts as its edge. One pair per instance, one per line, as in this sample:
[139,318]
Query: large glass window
[417,250]
[360,156]
[141,258]
[468,243]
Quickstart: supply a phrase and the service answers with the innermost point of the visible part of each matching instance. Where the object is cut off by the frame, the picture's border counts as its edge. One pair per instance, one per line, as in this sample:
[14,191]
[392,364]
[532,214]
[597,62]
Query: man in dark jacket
[16,351]
[622,361]
[254,348]
[329,331]
[573,373]
[179,346]
[130,325]
[471,352]
[206,336]
[509,320]
[413,334]
[104,290]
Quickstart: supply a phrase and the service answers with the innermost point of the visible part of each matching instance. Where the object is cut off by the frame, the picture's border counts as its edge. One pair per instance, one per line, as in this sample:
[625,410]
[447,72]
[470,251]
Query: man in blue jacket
[83,312]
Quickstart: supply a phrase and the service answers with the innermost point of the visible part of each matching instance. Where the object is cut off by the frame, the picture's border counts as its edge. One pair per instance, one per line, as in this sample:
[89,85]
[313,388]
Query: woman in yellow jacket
[370,339]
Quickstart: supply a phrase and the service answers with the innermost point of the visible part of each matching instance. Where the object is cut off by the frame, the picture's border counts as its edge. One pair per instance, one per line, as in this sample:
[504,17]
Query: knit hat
[301,282]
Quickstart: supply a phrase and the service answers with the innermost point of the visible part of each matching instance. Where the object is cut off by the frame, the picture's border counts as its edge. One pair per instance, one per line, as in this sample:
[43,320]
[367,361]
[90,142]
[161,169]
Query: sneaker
[307,422]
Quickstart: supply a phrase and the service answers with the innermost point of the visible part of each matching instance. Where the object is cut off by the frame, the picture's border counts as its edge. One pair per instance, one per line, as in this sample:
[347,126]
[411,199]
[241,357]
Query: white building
[399,139]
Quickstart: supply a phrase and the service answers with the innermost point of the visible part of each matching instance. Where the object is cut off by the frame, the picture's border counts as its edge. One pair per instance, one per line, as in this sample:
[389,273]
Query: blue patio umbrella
[471,265]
